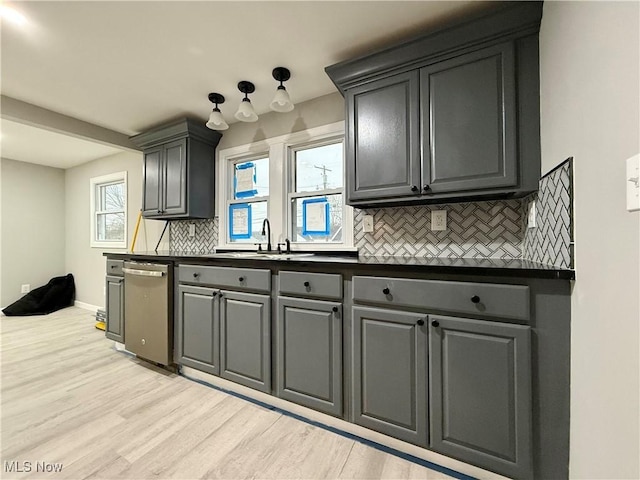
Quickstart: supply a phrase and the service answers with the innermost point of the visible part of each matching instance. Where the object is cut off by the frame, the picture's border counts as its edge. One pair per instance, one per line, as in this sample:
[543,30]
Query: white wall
[589,56]
[33,226]
[86,263]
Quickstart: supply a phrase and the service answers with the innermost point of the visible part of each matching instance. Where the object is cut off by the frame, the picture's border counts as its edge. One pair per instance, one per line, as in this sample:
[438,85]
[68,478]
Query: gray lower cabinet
[480,393]
[198,335]
[245,339]
[309,339]
[390,372]
[115,308]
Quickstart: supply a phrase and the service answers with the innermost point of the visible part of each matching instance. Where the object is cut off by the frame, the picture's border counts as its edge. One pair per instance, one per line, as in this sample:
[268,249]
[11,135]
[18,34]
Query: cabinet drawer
[114,267]
[324,285]
[509,301]
[244,278]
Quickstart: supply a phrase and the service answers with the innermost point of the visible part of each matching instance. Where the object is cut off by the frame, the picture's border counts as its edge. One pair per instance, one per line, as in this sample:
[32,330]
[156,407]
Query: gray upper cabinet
[390,372]
[450,116]
[468,111]
[383,155]
[178,170]
[480,393]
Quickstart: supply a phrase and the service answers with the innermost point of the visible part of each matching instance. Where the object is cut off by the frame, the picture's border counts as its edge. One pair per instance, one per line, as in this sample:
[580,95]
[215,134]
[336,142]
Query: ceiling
[128,66]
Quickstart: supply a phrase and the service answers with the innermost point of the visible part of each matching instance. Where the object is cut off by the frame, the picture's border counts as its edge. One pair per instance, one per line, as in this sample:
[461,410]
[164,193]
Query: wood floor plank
[69,397]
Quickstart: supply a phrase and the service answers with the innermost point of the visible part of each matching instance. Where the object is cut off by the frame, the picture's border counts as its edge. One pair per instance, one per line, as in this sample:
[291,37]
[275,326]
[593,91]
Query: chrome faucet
[266,223]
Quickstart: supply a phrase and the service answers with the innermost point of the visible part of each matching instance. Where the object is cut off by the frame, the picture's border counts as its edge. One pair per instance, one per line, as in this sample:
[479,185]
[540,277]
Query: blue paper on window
[315,217]
[240,221]
[244,180]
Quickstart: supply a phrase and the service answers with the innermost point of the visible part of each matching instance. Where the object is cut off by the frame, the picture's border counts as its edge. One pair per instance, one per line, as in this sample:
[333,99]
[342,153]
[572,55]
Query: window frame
[94,184]
[279,151]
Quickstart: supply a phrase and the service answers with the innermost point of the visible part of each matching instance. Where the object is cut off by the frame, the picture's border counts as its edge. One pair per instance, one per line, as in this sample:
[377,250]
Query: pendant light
[281,102]
[245,111]
[216,122]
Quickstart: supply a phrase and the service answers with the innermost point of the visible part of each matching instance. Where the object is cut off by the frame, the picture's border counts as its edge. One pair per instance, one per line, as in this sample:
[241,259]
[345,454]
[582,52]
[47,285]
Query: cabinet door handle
[414,188]
[386,291]
[241,279]
[335,309]
[420,322]
[214,293]
[426,188]
[307,284]
[220,293]
[435,323]
[475,299]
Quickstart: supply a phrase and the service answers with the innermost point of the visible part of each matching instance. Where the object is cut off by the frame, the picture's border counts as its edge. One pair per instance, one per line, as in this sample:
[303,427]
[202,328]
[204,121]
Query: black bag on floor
[53,296]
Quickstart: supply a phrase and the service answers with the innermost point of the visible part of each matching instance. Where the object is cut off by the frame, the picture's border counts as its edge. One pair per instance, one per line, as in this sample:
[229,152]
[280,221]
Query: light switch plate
[438,220]
[531,218]
[192,230]
[26,288]
[367,224]
[633,183]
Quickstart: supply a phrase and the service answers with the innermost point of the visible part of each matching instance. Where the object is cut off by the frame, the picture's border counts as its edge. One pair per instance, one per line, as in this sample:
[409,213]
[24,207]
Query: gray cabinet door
[480,393]
[245,339]
[383,145]
[198,329]
[152,182]
[390,372]
[175,178]
[115,308]
[468,121]
[309,344]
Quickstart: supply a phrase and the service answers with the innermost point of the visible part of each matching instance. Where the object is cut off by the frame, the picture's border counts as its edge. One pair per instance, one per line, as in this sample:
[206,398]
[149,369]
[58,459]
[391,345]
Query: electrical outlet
[531,218]
[438,220]
[367,224]
[192,230]
[26,288]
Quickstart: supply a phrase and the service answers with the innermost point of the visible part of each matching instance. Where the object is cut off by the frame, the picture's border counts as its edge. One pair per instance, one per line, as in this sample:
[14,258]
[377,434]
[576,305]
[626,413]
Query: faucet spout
[265,223]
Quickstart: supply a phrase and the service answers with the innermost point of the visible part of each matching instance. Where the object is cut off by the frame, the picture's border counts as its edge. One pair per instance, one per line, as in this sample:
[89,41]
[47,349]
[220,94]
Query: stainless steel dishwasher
[147,307]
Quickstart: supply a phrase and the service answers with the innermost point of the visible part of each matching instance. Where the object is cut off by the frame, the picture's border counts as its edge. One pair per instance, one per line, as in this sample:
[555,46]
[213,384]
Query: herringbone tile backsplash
[205,240]
[495,229]
[551,242]
[474,230]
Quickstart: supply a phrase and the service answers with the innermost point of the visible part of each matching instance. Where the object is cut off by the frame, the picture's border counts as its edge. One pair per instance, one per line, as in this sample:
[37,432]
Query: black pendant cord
[166,224]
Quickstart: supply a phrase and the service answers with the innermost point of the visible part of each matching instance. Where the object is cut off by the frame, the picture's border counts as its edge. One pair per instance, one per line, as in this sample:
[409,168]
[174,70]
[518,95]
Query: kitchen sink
[269,256]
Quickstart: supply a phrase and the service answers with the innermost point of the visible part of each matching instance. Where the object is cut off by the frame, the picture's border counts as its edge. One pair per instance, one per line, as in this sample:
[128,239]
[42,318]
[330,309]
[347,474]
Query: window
[109,211]
[297,182]
[316,194]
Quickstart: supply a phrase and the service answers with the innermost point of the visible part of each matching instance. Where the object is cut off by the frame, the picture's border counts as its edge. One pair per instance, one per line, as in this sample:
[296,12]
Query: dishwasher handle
[143,273]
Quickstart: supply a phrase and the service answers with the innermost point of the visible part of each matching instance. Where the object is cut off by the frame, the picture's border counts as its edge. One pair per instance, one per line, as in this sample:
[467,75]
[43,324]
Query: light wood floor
[69,397]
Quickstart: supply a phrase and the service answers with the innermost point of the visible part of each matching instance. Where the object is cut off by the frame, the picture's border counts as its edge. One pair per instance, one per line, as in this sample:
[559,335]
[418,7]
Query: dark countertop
[469,266]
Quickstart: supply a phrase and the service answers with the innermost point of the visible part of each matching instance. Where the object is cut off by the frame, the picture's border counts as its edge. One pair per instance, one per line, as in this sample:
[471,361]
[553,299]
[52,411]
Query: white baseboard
[86,306]
[342,425]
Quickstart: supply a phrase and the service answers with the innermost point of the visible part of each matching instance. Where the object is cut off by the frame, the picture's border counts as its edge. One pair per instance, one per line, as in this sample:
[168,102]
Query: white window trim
[279,164]
[93,182]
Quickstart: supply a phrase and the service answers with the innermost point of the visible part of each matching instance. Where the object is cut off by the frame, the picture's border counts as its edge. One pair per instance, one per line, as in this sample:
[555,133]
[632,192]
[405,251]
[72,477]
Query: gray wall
[589,54]
[33,226]
[86,263]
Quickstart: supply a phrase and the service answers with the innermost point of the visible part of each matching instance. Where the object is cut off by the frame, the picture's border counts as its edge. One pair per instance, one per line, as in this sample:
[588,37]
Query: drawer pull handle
[386,291]
[307,284]
[196,275]
[335,309]
[475,299]
[420,322]
[112,266]
[241,279]
[435,323]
